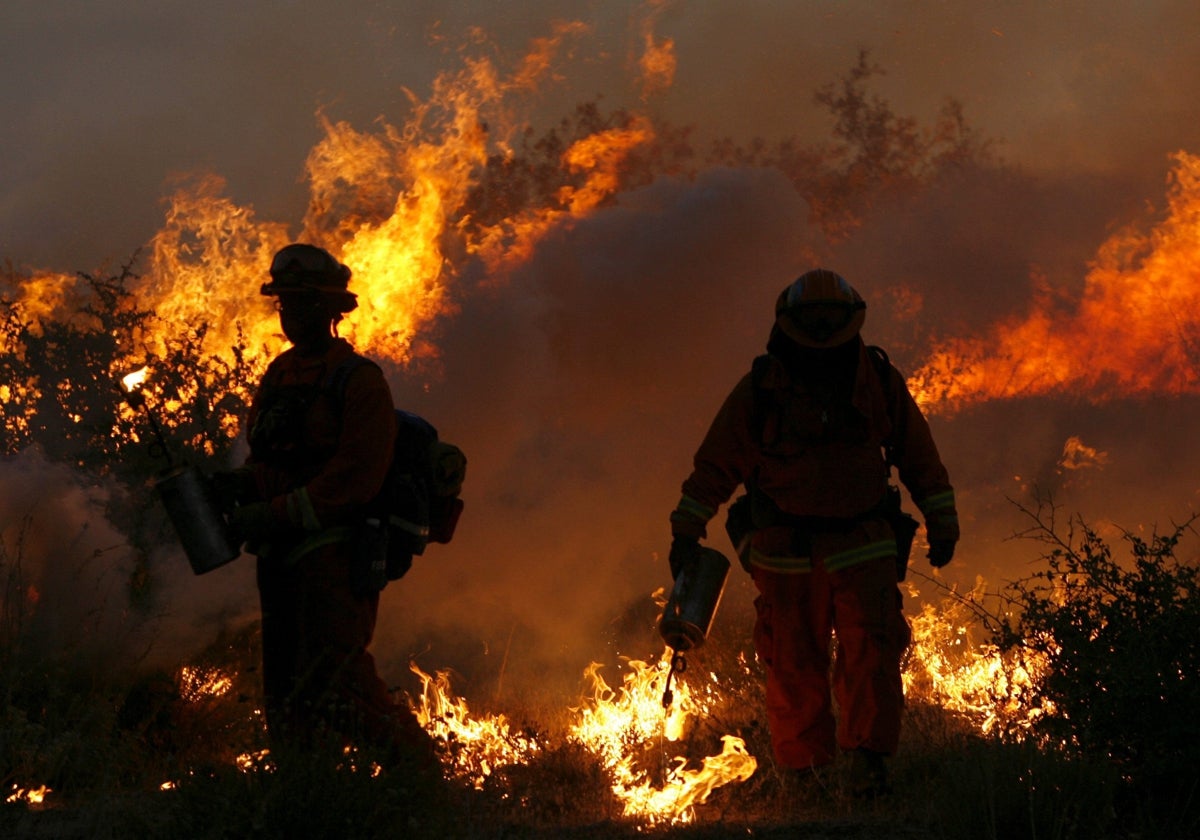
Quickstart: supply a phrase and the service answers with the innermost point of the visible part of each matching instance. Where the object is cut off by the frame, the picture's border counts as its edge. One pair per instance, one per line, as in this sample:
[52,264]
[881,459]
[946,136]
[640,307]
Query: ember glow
[32,796]
[199,683]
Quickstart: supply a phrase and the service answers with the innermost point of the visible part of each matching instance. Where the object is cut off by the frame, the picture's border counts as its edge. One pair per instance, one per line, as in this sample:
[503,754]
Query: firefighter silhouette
[811,433]
[315,461]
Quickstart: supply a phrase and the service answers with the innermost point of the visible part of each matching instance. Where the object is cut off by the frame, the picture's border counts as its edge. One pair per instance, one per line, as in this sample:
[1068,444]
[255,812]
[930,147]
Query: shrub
[1123,657]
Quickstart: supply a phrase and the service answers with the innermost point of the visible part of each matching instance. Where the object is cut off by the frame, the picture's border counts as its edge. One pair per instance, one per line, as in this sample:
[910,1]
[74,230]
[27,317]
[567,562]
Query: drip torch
[690,610]
[187,495]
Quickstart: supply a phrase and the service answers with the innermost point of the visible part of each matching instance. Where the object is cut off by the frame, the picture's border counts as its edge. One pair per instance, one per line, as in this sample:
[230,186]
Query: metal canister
[188,498]
[692,606]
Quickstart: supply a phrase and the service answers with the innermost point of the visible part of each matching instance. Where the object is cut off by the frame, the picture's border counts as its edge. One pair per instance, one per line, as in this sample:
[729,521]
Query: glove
[685,553]
[233,487]
[253,522]
[941,552]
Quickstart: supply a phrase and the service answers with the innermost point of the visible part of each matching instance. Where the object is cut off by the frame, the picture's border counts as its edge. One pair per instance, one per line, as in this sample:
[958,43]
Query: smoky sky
[581,385]
[104,103]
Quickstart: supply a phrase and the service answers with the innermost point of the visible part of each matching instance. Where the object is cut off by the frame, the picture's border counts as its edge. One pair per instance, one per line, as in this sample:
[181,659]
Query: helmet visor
[821,321]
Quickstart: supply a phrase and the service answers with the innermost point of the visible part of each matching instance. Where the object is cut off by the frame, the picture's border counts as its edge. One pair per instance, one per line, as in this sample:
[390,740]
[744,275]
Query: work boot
[868,774]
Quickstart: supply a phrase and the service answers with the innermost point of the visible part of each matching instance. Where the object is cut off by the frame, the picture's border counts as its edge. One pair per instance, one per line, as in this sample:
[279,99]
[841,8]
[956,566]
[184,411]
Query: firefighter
[808,433]
[317,456]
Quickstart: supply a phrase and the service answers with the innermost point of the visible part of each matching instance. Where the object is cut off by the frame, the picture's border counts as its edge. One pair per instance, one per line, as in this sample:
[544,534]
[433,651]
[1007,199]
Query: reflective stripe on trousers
[784,564]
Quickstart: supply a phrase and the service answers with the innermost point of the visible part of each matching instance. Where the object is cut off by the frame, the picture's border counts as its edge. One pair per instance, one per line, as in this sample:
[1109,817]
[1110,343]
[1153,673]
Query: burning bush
[62,376]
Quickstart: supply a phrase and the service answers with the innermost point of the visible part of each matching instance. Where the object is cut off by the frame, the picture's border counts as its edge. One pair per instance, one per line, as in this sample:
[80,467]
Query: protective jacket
[317,461]
[815,467]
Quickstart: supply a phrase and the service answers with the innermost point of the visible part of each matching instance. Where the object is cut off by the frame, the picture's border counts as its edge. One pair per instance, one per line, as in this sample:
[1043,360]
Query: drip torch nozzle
[678,666]
[187,496]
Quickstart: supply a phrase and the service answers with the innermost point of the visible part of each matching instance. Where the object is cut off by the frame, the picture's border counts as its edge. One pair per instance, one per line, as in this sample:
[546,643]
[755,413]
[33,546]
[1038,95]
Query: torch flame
[133,381]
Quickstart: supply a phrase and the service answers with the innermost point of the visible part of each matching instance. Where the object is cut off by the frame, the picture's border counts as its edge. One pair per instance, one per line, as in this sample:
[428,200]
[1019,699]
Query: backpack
[419,501]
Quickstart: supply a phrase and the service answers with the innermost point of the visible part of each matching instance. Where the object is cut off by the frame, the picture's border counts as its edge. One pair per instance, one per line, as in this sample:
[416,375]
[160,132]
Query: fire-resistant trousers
[317,673]
[797,615]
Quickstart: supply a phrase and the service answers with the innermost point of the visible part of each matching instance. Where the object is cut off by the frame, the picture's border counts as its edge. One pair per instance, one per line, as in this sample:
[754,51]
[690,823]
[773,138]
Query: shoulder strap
[883,369]
[760,408]
[336,381]
[271,375]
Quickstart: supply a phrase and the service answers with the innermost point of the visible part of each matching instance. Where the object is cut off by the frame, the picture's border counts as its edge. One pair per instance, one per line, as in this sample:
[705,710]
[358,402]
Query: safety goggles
[822,321]
[300,261]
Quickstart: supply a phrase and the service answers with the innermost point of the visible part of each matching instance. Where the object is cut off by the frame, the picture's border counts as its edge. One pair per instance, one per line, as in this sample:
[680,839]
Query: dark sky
[581,386]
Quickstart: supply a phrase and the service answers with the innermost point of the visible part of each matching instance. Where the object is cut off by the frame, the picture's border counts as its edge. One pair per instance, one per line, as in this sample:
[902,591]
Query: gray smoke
[73,582]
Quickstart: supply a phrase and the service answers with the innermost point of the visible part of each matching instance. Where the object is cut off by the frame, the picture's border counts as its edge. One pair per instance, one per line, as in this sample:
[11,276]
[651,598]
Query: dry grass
[563,791]
[106,746]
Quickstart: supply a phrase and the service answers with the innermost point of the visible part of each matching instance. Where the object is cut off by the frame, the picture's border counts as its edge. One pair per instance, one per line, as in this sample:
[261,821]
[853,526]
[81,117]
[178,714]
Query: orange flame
[599,157]
[612,719]
[32,796]
[657,62]
[42,296]
[392,203]
[384,203]
[1131,333]
[1077,455]
[475,745]
[606,725]
[995,692]
[992,690]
